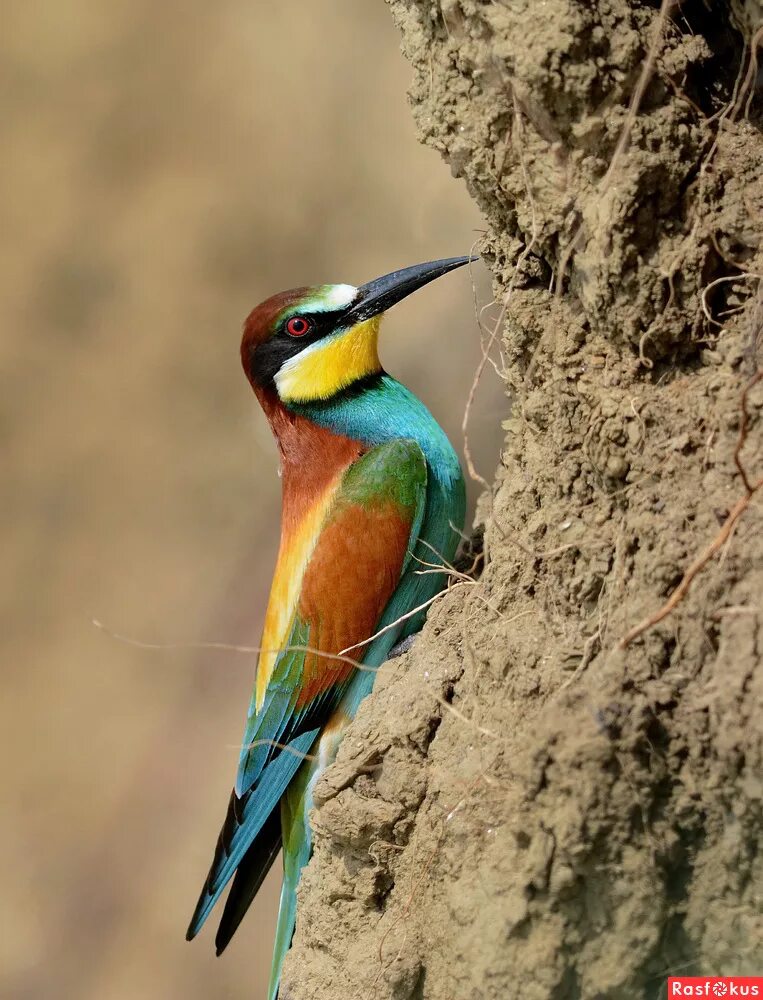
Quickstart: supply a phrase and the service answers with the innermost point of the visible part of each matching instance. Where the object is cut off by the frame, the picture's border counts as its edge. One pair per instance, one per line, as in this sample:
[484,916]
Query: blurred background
[165,167]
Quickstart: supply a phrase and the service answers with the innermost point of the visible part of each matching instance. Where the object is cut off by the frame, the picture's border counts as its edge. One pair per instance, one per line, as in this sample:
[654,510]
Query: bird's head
[309,344]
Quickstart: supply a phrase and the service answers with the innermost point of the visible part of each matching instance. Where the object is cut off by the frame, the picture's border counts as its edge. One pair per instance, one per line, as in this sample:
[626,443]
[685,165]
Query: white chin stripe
[333,297]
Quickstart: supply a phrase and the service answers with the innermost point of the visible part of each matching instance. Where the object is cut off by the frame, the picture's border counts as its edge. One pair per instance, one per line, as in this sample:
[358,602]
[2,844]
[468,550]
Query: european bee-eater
[371,490]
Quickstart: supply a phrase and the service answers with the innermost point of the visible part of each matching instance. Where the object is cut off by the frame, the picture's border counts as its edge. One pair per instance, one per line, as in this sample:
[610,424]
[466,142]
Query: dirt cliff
[557,793]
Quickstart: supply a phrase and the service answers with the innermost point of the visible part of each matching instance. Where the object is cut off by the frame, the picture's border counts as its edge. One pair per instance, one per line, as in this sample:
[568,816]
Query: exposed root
[719,281]
[748,86]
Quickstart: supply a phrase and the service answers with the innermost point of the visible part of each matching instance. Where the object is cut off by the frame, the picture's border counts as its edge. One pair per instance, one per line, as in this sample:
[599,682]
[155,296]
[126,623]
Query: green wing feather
[390,477]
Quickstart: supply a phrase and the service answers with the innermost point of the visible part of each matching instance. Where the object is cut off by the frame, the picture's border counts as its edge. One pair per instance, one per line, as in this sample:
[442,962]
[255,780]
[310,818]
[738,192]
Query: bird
[373,505]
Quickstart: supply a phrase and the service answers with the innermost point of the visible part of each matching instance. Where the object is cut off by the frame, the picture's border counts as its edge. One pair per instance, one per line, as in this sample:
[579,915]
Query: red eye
[298,326]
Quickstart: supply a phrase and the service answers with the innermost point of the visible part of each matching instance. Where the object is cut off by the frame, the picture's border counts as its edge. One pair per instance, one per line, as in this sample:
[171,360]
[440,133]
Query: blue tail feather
[256,809]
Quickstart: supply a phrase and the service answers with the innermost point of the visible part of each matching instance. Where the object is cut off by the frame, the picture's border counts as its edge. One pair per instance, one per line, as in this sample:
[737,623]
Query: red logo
[715,986]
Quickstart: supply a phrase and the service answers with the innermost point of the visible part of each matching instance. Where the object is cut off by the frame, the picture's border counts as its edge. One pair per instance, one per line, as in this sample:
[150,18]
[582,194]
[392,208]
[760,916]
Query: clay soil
[557,792]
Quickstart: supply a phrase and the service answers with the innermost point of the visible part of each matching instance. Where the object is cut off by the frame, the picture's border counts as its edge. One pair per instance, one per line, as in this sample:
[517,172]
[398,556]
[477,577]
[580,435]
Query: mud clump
[527,806]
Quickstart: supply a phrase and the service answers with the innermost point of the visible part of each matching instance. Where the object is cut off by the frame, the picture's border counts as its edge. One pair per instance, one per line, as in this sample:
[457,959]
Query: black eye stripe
[268,357]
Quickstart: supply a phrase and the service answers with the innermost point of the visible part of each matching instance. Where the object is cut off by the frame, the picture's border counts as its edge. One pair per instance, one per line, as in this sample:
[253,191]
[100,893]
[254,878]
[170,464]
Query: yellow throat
[328,366]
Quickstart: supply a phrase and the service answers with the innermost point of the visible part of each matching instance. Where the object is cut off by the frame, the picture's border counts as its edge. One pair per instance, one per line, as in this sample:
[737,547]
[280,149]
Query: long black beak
[377,296]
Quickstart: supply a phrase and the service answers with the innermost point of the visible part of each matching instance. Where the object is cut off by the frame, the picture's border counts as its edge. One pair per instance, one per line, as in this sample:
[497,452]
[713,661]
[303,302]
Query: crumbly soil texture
[557,792]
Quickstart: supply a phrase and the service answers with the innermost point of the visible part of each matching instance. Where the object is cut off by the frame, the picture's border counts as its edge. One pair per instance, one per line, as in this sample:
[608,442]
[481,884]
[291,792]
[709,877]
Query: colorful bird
[372,489]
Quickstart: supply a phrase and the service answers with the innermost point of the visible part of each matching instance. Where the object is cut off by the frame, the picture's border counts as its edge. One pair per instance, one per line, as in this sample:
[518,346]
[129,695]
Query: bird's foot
[402,647]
